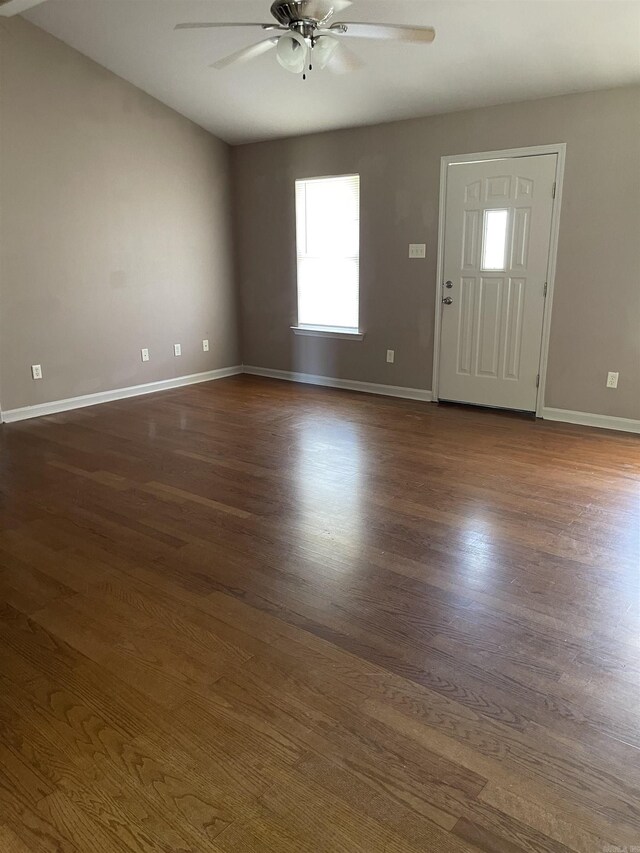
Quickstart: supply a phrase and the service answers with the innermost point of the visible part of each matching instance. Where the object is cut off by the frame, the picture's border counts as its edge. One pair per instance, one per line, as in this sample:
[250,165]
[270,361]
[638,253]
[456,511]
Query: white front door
[496,255]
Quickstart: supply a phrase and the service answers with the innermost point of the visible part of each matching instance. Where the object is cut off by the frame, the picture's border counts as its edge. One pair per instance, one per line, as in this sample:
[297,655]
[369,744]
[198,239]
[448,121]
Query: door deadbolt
[448,285]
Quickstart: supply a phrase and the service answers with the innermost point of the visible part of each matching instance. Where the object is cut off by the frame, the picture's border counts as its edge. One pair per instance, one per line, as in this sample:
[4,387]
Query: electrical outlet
[417,250]
[145,354]
[177,349]
[612,380]
[391,356]
[36,371]
[205,346]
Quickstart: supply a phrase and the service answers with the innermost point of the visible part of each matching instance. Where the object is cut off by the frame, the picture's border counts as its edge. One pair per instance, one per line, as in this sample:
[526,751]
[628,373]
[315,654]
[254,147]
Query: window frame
[318,330]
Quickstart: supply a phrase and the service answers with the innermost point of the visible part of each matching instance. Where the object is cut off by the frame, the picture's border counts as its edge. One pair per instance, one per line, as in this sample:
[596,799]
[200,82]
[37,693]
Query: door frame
[560,149]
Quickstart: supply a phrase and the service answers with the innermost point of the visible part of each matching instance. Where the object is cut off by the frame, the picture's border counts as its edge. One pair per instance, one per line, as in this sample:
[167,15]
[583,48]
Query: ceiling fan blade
[344,60]
[246,54]
[398,32]
[206,26]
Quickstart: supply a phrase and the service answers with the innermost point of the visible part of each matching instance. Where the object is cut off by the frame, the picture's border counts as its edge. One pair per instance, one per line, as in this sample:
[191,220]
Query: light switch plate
[417,250]
[177,349]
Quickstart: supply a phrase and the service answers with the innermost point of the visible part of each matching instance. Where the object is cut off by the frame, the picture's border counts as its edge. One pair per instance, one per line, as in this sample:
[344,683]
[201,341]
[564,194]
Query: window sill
[328,332]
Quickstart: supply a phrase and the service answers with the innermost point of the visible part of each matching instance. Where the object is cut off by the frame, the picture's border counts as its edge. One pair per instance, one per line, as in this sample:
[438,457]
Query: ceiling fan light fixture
[292,52]
[324,48]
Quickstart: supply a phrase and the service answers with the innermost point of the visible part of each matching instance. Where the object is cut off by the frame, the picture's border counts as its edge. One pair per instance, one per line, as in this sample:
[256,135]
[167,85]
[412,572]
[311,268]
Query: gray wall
[115,229]
[115,234]
[596,314]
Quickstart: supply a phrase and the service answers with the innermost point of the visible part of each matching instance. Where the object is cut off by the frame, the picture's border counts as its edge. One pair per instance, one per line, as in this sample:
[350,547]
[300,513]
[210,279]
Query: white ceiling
[485,52]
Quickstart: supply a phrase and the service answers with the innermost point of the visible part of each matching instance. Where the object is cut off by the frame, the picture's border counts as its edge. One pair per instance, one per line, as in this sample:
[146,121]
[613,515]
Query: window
[494,247]
[328,246]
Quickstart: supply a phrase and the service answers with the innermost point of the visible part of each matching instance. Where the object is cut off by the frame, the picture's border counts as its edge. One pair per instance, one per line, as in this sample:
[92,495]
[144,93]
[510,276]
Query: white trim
[551,276]
[52,408]
[435,379]
[345,384]
[505,153]
[560,150]
[589,419]
[328,332]
[42,409]
[301,186]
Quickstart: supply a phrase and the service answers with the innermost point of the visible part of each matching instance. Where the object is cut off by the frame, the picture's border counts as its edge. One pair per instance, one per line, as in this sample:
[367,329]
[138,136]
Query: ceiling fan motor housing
[298,14]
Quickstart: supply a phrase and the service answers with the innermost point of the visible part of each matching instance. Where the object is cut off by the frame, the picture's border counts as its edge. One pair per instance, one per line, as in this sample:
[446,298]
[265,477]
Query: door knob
[447,300]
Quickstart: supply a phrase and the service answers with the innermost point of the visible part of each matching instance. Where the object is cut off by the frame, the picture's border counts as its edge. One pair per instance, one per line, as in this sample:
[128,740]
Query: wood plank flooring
[254,616]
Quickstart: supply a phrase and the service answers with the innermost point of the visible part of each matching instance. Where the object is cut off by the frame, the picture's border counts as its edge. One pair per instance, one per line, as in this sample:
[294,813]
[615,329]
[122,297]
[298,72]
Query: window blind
[328,251]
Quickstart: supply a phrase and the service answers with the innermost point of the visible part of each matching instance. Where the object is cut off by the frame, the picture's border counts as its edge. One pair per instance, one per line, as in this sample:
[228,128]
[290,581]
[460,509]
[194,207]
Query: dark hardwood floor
[258,616]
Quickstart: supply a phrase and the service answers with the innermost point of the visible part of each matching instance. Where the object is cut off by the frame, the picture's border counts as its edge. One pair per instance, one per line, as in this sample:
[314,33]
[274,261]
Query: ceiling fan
[306,34]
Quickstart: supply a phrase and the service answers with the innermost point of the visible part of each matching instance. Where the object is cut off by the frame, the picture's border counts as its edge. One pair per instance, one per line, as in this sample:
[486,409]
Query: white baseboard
[52,408]
[345,384]
[589,419]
